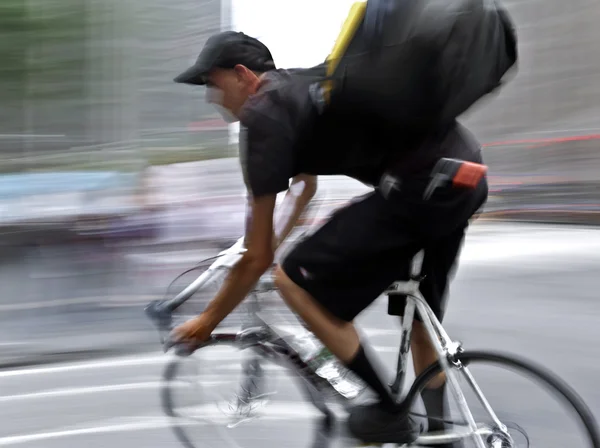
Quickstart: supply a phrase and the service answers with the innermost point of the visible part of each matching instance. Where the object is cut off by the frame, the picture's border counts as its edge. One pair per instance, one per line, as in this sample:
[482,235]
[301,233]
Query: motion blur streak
[113,180]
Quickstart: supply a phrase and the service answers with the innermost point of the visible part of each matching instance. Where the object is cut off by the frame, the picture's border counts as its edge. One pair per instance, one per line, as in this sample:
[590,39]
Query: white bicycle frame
[446,348]
[225,259]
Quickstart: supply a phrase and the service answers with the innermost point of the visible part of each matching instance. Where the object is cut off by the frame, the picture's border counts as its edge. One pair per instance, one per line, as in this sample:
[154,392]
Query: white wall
[299,33]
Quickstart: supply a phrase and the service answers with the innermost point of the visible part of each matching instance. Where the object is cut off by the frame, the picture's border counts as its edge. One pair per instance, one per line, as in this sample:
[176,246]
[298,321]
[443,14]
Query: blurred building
[97,74]
[547,120]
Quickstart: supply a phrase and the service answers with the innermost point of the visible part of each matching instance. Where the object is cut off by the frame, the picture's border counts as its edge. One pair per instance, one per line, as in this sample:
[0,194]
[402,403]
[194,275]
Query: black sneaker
[373,424]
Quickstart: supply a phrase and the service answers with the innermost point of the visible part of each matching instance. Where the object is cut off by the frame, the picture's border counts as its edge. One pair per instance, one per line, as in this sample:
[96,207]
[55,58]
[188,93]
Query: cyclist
[338,271]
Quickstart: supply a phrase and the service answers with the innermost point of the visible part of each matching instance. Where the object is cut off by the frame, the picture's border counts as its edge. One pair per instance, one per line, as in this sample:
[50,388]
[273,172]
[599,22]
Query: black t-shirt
[282,134]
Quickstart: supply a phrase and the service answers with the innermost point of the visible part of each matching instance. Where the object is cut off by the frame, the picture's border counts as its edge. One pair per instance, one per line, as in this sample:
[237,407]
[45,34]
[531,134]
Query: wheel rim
[573,410]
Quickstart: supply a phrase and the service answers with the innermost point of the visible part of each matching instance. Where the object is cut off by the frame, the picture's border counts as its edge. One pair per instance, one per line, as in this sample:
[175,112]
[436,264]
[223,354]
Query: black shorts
[369,244]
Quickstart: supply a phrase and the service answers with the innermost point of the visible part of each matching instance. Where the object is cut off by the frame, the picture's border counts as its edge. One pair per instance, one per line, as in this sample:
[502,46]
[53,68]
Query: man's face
[230,89]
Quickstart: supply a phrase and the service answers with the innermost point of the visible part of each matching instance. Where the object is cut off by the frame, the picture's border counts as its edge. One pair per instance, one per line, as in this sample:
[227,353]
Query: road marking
[291,411]
[211,354]
[54,393]
[88,365]
[81,390]
[76,301]
[134,426]
[203,379]
[214,353]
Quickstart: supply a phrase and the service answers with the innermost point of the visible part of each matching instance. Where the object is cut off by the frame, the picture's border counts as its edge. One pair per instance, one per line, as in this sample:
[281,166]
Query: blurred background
[113,179]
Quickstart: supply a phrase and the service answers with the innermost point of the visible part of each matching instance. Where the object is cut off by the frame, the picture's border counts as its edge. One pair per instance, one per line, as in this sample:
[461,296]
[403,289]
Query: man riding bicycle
[338,271]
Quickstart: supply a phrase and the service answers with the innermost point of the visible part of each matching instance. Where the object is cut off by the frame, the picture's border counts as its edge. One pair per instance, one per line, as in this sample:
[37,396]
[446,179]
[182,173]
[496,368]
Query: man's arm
[297,197]
[261,243]
[253,264]
[267,169]
[300,193]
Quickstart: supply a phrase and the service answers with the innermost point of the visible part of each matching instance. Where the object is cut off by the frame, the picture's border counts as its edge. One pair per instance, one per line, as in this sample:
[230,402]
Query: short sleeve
[267,159]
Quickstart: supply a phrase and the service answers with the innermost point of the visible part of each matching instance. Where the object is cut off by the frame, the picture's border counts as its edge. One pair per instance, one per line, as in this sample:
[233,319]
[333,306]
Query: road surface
[529,290]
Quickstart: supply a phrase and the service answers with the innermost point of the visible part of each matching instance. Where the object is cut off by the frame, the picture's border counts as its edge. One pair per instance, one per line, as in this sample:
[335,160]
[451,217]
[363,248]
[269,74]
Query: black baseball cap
[226,50]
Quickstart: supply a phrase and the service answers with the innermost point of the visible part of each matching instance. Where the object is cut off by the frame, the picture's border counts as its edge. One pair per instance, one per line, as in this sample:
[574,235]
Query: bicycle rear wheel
[531,421]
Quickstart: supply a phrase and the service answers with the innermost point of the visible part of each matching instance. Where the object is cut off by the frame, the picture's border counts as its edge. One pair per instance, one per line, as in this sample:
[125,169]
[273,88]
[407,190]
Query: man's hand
[194,331]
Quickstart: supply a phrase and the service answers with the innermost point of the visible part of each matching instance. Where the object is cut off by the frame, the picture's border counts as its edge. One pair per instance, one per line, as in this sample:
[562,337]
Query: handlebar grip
[182,348]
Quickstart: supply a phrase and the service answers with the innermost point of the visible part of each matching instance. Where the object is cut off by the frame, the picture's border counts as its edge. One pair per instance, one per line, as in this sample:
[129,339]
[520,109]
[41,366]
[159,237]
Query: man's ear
[247,76]
[242,72]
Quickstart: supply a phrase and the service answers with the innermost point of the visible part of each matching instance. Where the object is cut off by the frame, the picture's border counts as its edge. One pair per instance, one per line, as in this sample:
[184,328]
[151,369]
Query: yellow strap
[351,24]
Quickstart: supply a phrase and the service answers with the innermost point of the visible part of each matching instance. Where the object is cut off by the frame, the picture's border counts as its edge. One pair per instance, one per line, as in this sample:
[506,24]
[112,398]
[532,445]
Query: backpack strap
[353,21]
[374,19]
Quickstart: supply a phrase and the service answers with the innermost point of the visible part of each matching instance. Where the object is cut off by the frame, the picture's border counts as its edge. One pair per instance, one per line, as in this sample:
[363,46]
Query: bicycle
[258,335]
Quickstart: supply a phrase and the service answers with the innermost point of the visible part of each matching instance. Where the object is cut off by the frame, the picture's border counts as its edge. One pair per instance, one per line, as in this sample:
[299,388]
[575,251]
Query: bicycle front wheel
[222,396]
[549,415]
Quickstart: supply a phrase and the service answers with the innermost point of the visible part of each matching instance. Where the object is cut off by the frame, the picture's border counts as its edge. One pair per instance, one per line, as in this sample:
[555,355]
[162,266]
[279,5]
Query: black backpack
[416,63]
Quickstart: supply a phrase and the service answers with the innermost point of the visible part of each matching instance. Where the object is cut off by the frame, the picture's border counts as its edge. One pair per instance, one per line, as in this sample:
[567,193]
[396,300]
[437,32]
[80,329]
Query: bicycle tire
[551,381]
[323,431]
[170,374]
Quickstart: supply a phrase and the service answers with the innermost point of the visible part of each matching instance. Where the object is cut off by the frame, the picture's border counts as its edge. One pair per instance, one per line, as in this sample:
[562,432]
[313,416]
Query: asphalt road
[529,290]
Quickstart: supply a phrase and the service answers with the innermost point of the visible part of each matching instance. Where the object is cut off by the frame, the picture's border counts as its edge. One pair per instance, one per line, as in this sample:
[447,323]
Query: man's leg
[380,422]
[332,276]
[438,266]
[434,394]
[339,336]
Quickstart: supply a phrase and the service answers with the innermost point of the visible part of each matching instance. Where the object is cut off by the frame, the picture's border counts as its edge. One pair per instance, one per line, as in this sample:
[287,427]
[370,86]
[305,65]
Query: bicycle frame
[446,348]
[225,259]
[447,351]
